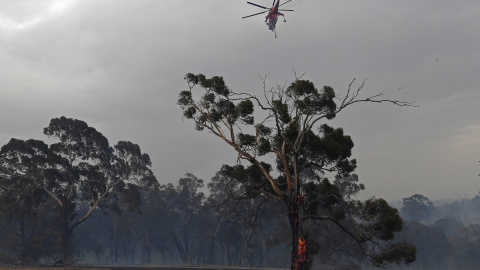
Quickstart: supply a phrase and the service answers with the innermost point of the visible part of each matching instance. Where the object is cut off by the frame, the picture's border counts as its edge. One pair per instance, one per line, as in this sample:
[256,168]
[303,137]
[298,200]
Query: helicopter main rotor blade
[284,3]
[286,9]
[254,14]
[257,5]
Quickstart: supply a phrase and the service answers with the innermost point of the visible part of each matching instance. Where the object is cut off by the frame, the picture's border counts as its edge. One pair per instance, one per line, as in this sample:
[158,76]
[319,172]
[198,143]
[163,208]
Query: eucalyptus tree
[417,207]
[243,227]
[22,223]
[293,130]
[79,167]
[225,233]
[180,207]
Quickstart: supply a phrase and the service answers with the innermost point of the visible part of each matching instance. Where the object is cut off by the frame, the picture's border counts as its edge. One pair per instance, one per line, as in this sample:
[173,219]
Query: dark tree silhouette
[417,207]
[80,167]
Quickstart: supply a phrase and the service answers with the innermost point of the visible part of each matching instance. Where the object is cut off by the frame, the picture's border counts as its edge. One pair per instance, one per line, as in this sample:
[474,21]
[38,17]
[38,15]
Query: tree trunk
[299,244]
[115,241]
[66,234]
[148,249]
[210,259]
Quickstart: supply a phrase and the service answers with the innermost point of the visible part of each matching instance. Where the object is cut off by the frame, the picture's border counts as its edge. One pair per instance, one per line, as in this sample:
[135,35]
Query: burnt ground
[132,267]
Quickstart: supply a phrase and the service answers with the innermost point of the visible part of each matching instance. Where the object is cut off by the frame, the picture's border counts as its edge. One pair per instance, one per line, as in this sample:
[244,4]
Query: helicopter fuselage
[272,15]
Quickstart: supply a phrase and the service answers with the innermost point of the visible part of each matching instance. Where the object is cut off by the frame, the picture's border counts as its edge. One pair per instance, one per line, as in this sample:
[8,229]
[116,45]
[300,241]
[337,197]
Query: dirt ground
[115,267]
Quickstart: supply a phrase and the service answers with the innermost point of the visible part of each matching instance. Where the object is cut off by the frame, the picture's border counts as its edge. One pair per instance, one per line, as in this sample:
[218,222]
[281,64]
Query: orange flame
[302,252]
[302,249]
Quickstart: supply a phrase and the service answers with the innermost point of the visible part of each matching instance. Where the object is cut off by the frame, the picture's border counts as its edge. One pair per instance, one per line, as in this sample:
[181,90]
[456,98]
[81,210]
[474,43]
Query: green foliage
[227,108]
[216,115]
[185,97]
[301,88]
[334,143]
[307,98]
[236,172]
[245,108]
[381,219]
[215,84]
[215,104]
[264,146]
[210,97]
[246,140]
[398,253]
[281,110]
[251,178]
[263,130]
[320,196]
[77,140]
[190,112]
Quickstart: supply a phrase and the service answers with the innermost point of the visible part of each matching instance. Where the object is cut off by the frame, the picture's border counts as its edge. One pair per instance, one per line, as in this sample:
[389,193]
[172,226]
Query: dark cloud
[119,65]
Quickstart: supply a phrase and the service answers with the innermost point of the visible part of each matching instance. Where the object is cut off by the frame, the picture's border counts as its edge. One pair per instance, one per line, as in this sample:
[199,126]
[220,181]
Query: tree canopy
[417,207]
[80,167]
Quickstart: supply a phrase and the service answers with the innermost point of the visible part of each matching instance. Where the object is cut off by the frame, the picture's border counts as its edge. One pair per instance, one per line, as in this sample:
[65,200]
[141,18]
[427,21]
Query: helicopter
[273,13]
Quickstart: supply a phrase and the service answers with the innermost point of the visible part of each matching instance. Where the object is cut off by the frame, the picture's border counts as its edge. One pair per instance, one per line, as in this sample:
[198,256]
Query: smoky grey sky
[119,66]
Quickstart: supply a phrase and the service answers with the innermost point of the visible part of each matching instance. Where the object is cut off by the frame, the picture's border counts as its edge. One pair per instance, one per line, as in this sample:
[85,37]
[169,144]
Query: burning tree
[305,149]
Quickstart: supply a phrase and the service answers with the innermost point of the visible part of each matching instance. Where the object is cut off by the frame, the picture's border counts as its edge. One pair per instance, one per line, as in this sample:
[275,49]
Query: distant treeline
[447,236]
[178,224]
[174,224]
